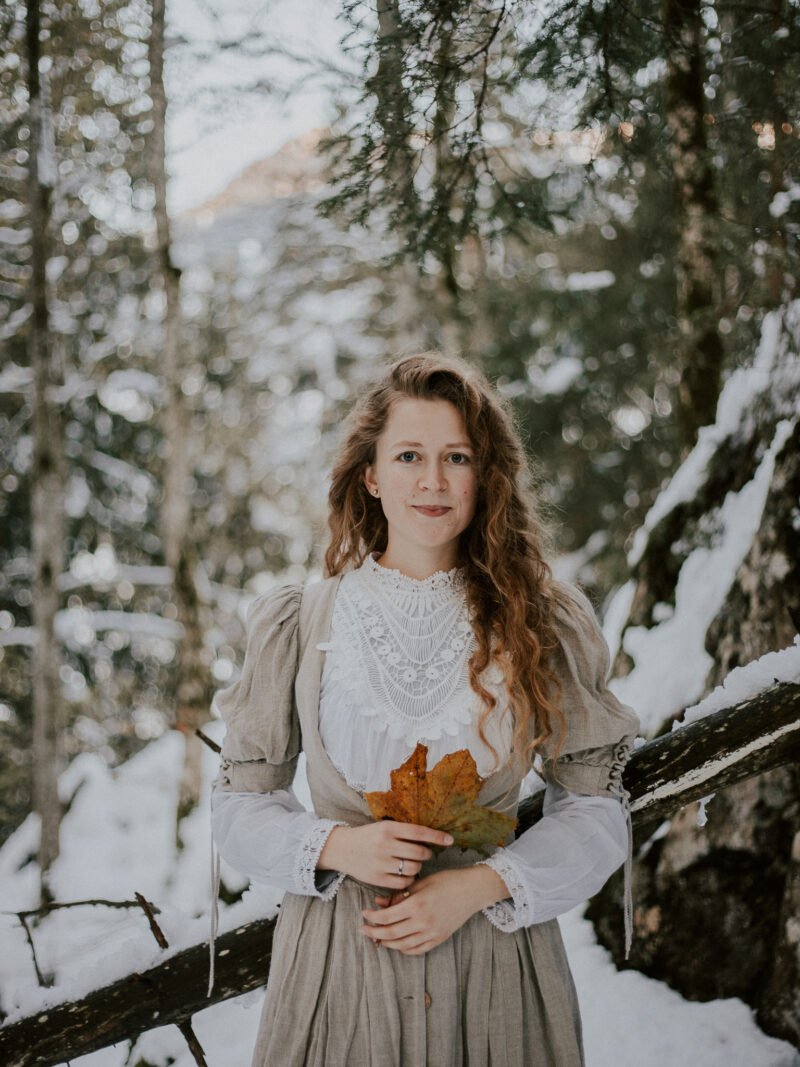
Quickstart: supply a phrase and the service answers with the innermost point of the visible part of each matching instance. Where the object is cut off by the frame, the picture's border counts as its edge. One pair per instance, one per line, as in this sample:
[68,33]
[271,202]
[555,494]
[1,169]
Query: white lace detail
[392,579]
[310,848]
[399,651]
[359,786]
[509,915]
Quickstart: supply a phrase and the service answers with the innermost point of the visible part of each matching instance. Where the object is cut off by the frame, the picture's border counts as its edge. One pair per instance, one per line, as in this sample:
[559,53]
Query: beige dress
[483,997]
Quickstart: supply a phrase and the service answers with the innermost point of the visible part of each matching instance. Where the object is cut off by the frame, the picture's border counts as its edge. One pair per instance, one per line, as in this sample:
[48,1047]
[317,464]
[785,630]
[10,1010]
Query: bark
[47,475]
[727,746]
[780,280]
[393,109]
[192,683]
[698,298]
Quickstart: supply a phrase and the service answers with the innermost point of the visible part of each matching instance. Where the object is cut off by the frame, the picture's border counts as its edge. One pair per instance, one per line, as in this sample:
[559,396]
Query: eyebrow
[418,444]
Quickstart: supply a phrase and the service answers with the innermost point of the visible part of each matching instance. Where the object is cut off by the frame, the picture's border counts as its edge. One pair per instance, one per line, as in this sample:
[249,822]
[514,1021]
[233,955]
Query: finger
[387,902]
[395,882]
[410,943]
[400,931]
[412,832]
[385,916]
[383,902]
[410,867]
[420,950]
[411,852]
[397,898]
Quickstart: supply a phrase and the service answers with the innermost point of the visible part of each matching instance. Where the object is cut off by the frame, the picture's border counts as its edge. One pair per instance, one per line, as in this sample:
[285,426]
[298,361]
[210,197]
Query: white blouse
[395,673]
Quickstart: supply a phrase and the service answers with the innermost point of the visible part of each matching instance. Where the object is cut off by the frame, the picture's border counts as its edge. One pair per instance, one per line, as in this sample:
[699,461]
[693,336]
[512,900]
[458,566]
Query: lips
[430,511]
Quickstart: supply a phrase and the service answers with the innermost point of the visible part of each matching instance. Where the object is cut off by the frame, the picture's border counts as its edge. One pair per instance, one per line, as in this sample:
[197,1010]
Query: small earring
[375,491]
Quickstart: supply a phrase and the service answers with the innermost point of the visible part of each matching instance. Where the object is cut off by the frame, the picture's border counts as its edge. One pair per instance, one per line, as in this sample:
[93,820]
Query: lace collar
[392,580]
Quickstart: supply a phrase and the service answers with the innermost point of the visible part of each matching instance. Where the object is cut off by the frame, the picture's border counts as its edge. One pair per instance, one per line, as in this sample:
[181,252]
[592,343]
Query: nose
[432,476]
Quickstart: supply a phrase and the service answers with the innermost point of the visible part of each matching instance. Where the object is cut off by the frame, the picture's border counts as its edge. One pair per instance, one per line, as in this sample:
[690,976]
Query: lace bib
[396,669]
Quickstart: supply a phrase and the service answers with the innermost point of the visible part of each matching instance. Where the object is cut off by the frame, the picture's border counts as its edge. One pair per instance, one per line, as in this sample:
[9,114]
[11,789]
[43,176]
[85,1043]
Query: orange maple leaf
[443,798]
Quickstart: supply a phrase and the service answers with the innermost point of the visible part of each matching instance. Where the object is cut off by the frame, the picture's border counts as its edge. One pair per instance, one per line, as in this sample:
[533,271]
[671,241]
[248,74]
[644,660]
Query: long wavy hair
[510,588]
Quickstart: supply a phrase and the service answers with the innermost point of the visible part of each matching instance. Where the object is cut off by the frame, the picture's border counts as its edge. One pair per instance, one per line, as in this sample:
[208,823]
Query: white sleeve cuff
[509,915]
[310,881]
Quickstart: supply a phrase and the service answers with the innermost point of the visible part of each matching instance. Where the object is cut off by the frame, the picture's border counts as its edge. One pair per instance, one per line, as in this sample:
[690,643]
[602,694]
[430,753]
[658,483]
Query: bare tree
[192,680]
[47,491]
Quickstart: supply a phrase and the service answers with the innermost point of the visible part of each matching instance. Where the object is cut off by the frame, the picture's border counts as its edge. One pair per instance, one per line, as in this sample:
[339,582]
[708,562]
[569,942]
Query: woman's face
[425,476]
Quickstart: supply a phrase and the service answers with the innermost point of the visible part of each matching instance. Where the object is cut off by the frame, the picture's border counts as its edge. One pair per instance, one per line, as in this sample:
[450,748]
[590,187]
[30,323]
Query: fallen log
[663,775]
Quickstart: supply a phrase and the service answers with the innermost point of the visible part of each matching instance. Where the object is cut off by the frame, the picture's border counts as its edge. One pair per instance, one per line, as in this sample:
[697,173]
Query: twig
[195,1047]
[39,976]
[54,906]
[207,740]
[150,911]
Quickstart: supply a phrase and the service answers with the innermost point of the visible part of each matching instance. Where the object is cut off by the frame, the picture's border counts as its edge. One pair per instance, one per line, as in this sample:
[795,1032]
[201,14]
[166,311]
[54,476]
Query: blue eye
[403,454]
[461,457]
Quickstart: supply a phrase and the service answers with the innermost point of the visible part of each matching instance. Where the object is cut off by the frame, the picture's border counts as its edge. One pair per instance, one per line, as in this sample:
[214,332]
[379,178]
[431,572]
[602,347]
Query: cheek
[469,494]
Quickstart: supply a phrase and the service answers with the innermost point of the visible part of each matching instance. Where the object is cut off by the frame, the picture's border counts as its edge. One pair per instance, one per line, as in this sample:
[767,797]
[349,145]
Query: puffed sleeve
[600,728]
[577,844]
[260,825]
[262,731]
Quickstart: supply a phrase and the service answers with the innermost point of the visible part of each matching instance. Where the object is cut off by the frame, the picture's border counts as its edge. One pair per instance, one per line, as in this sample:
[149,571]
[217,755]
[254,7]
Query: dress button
[428,999]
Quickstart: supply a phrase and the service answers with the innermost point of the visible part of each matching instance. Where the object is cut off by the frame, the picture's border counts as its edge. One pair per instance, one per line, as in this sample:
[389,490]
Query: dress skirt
[484,997]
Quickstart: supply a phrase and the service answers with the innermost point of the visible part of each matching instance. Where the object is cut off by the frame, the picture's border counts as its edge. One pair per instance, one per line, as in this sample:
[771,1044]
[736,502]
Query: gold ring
[406,893]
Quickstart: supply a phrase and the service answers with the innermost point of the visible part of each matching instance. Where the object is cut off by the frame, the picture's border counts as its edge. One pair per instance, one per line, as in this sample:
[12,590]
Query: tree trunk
[192,684]
[47,476]
[780,281]
[698,299]
[726,747]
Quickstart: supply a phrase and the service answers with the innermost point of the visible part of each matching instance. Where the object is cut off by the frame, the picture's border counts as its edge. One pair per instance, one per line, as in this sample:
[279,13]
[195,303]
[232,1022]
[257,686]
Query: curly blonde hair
[510,588]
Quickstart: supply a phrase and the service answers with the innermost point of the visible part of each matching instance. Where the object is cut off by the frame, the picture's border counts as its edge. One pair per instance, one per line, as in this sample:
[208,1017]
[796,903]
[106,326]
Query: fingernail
[448,840]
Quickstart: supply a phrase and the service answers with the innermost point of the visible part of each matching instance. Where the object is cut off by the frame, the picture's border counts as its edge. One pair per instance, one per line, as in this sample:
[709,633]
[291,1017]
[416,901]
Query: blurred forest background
[596,202]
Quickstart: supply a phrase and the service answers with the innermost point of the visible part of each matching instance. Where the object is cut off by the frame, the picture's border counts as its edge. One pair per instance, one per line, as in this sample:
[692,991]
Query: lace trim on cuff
[509,915]
[306,870]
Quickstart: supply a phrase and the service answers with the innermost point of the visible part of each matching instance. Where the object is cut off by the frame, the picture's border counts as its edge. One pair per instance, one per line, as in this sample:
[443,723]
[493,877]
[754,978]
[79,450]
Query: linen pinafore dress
[485,997]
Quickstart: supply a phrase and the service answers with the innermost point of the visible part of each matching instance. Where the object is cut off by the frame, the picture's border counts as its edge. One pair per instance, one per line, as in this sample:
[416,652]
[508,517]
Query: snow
[118,838]
[748,681]
[9,236]
[671,663]
[616,615]
[783,199]
[557,378]
[129,393]
[585,281]
[9,329]
[735,398]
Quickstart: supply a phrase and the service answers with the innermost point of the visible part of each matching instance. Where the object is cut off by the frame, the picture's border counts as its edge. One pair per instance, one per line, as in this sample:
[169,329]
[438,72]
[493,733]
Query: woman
[439,622]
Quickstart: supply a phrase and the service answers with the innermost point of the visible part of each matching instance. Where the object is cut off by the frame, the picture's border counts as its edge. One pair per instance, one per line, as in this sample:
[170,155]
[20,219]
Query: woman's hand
[429,911]
[372,853]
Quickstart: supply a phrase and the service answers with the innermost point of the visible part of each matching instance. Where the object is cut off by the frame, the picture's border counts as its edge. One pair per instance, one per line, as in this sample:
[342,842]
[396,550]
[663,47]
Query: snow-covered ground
[118,839]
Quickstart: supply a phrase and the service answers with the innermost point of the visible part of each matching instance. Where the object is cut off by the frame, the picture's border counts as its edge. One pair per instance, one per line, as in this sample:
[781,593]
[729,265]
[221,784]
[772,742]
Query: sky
[215,129]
